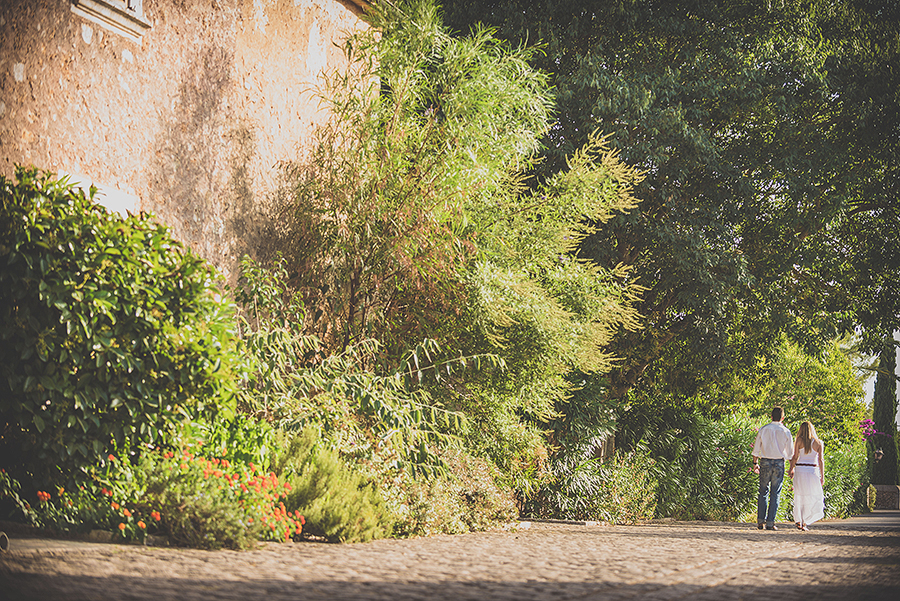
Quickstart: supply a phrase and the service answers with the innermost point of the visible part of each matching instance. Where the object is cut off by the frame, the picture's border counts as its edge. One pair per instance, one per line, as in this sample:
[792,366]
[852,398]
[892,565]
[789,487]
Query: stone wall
[187,123]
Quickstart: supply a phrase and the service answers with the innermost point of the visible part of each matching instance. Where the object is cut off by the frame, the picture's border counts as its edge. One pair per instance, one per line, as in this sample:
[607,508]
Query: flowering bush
[867,428]
[196,501]
[211,503]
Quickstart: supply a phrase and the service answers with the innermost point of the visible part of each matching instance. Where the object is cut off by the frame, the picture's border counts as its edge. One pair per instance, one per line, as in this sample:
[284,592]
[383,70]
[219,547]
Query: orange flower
[121,526]
[127,513]
[155,515]
[111,457]
[114,505]
[141,525]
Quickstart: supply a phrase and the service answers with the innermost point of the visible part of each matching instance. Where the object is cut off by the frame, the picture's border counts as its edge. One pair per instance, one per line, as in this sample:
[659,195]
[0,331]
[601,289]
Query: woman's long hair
[806,435]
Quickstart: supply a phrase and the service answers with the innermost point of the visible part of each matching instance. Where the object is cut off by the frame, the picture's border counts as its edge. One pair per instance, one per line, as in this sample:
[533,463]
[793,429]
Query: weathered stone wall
[189,123]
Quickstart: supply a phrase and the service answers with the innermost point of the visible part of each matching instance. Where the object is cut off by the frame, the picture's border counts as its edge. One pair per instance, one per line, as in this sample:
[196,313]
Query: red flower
[111,457]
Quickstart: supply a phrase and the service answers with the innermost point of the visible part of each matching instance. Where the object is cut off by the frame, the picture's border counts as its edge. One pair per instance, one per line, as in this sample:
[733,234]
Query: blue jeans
[771,477]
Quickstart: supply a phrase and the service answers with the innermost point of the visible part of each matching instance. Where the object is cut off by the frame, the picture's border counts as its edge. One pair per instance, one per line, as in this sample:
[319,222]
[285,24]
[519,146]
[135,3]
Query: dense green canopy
[768,147]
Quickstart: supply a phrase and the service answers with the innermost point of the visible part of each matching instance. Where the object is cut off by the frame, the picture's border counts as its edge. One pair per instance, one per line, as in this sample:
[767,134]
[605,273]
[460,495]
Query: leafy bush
[846,479]
[410,220]
[195,500]
[620,490]
[465,498]
[339,503]
[846,483]
[355,408]
[704,467]
[110,331]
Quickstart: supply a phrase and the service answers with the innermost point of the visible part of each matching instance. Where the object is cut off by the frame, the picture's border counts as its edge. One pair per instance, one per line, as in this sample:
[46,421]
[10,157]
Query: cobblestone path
[846,560]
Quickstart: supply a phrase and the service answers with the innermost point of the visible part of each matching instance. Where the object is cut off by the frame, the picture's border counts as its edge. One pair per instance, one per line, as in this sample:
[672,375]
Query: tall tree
[410,220]
[723,106]
[859,251]
[884,471]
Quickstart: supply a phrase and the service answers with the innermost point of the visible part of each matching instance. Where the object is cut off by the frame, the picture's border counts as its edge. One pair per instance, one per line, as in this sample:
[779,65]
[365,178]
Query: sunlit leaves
[111,330]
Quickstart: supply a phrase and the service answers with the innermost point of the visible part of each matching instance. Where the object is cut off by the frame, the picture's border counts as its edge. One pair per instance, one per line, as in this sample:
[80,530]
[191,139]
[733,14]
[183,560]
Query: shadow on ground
[85,588]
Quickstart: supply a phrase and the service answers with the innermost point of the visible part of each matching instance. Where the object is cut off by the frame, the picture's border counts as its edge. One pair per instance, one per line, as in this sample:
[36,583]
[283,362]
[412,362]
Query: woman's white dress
[809,500]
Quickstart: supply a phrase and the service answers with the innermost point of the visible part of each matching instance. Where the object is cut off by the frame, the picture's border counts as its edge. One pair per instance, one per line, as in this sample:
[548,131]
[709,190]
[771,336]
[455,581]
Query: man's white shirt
[773,441]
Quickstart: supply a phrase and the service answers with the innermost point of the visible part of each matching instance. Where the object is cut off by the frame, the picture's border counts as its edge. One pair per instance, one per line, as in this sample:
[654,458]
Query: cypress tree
[885,470]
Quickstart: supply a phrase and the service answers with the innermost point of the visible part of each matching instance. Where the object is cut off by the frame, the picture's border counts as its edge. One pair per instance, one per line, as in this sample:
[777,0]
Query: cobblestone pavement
[848,560]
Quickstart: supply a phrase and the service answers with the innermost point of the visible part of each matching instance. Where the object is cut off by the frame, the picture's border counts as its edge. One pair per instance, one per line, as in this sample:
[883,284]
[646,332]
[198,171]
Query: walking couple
[772,447]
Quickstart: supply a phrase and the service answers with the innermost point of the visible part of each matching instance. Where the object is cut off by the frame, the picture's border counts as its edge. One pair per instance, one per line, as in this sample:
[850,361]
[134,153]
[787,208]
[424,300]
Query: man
[773,445]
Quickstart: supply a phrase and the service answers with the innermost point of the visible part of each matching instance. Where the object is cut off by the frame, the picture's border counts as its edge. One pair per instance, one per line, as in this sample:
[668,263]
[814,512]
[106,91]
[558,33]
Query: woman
[808,472]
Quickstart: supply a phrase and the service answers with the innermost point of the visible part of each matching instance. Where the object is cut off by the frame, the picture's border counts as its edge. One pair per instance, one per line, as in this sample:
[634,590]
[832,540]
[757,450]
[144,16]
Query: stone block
[887,496]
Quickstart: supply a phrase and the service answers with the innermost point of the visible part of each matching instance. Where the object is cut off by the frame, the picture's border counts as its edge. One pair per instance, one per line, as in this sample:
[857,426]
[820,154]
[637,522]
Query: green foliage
[703,466]
[241,439]
[846,483]
[195,500]
[423,124]
[111,331]
[619,490]
[339,504]
[846,479]
[409,221]
[356,410]
[884,414]
[769,149]
[465,498]
[822,388]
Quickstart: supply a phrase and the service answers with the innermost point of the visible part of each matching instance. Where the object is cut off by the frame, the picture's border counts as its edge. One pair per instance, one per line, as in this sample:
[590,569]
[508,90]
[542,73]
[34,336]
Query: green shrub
[195,500]
[846,483]
[110,331]
[339,503]
[463,499]
[704,467]
[620,490]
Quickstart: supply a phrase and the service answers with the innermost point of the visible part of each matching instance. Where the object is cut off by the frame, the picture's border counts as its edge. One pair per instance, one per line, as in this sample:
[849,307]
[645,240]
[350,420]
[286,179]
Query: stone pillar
[887,496]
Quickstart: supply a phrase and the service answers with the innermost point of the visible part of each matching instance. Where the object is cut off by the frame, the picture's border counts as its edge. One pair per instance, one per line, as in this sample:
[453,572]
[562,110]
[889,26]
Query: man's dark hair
[777,414]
